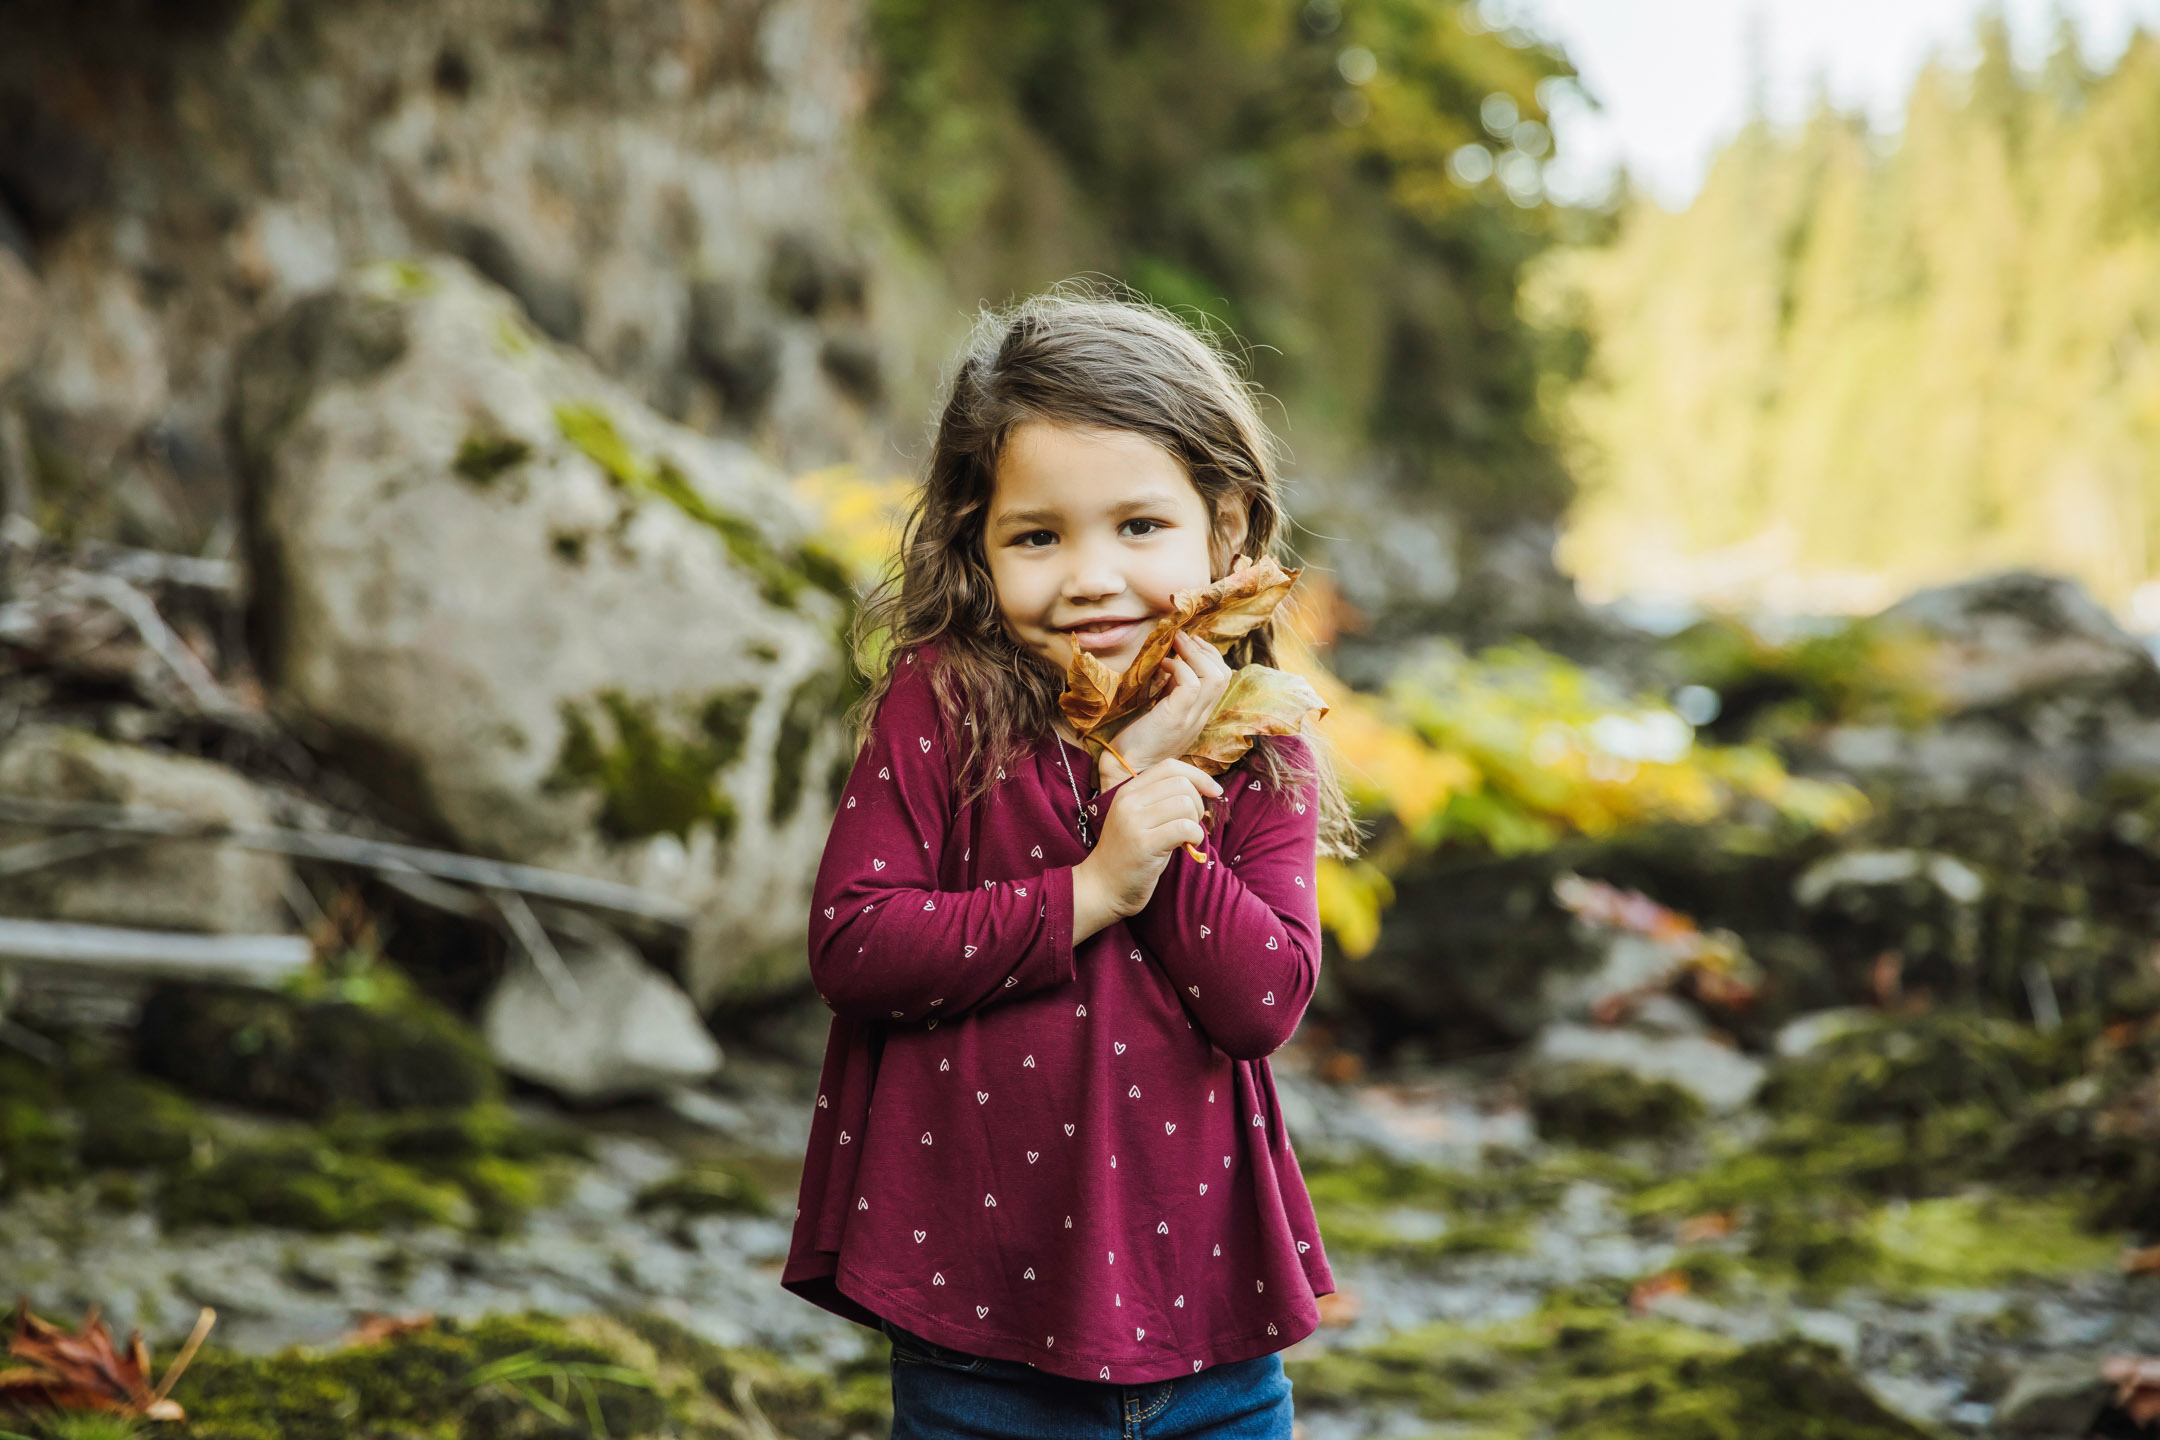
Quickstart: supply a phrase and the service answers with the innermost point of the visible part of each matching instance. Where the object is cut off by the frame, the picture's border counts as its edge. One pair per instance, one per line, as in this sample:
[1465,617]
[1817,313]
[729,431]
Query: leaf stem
[1190,849]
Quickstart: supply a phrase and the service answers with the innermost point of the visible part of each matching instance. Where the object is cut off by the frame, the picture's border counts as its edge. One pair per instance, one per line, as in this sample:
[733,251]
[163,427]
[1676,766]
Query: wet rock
[172,885]
[543,620]
[1719,1076]
[629,1029]
[2057,1399]
[22,315]
[2041,690]
[735,343]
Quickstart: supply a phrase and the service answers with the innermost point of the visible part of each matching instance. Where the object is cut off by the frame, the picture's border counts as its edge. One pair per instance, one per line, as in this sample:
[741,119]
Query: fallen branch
[383,856]
[156,954]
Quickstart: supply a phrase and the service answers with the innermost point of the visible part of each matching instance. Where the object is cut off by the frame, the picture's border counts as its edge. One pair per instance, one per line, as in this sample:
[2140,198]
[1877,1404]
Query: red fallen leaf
[2136,1379]
[1652,1288]
[83,1371]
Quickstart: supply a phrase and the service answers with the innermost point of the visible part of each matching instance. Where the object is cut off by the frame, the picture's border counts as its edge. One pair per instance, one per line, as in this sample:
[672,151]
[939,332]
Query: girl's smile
[1090,534]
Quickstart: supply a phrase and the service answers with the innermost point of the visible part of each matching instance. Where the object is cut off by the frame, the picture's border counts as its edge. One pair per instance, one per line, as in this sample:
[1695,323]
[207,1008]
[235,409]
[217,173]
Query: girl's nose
[1093,577]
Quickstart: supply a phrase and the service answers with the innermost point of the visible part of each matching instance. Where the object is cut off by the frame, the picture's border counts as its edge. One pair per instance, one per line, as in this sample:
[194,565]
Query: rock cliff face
[662,183]
[479,330]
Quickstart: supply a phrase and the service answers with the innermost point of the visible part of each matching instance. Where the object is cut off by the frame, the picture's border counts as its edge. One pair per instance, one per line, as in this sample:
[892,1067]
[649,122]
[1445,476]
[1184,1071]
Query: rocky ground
[1684,1275]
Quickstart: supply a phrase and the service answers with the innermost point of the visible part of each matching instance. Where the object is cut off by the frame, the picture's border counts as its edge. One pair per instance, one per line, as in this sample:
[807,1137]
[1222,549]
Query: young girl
[1046,1157]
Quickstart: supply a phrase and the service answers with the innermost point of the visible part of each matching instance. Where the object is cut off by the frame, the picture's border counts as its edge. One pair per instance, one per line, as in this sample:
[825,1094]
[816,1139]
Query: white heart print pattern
[877,864]
[1179,1302]
[1032,1154]
[1268,999]
[885,773]
[1298,880]
[828,912]
[1134,1092]
[989,1202]
[1028,1064]
[981,1310]
[1169,1127]
[1204,931]
[1036,852]
[1203,1187]
[944,1065]
[861,1203]
[1118,1046]
[924,741]
[1195,989]
[1030,1273]
[1080,1011]
[926,1137]
[1302,1247]
[851,802]
[845,1137]
[1162,1227]
[921,1235]
[1271,943]
[982,1097]
[1068,1127]
[938,1278]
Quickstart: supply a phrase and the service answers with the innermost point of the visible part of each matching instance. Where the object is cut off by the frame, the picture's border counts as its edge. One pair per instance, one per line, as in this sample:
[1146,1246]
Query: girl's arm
[1240,938]
[885,942]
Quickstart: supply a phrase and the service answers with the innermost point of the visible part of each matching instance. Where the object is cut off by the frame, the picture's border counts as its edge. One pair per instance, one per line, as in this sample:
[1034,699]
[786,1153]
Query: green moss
[483,458]
[1910,1069]
[1419,1212]
[37,1146]
[654,777]
[130,1123]
[813,706]
[780,576]
[1600,1105]
[527,1376]
[362,1040]
[708,1187]
[303,1183]
[1573,1370]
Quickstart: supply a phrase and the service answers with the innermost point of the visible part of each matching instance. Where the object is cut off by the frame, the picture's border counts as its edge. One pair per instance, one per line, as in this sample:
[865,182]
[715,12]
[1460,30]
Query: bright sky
[1673,76]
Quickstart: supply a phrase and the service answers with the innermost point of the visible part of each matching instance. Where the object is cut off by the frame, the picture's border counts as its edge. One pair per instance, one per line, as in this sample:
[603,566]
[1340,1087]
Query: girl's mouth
[1098,636]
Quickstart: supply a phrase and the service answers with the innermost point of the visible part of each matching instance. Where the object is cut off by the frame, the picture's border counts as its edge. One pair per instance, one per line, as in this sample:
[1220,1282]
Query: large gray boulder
[547,623]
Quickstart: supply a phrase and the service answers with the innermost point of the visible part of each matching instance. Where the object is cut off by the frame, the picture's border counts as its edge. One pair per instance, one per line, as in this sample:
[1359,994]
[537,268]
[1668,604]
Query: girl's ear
[1231,522]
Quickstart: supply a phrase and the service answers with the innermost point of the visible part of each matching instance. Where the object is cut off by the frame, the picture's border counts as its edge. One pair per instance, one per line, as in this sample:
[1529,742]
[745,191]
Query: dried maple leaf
[1096,697]
[376,1327]
[1261,700]
[83,1370]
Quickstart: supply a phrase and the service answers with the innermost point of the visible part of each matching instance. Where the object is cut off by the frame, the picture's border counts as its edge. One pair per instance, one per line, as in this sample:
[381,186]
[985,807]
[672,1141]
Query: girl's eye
[1152,527]
[1036,539]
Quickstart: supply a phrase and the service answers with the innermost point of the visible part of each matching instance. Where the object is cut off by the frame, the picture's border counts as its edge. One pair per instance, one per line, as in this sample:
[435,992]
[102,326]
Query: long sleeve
[885,942]
[1240,936]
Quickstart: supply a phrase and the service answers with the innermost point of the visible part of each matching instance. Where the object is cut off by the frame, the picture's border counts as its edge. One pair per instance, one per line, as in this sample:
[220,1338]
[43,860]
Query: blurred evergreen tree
[1859,363]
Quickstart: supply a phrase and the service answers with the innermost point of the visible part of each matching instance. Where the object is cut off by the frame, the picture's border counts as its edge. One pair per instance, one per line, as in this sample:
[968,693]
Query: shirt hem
[1072,1364]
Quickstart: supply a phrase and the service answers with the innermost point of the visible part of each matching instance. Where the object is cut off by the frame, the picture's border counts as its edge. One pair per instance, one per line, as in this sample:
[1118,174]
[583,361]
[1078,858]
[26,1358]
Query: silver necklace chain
[1079,806]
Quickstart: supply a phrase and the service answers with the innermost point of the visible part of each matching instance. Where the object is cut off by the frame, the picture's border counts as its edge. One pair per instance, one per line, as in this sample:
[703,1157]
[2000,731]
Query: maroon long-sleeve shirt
[1068,1155]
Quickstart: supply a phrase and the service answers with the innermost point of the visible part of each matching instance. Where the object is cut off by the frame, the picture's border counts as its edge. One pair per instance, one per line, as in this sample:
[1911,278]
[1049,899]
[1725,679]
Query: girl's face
[1090,532]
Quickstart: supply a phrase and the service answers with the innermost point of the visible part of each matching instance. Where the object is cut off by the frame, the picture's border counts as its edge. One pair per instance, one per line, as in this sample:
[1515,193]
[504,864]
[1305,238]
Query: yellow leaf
[1261,700]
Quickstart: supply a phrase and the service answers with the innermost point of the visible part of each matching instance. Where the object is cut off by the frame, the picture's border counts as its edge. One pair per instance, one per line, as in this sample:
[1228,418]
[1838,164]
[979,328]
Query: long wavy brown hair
[1086,358]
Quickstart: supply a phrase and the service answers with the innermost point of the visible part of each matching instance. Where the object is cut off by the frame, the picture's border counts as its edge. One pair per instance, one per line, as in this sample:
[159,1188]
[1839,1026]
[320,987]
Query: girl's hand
[1171,726]
[1157,812]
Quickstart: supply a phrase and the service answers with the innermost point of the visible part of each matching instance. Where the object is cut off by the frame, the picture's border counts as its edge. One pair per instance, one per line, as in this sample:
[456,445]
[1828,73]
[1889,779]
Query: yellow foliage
[1352,895]
[861,516]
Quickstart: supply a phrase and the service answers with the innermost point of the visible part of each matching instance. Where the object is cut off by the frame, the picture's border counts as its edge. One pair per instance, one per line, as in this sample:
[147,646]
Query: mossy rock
[129,1123]
[310,1055]
[708,1187]
[304,1184]
[523,1377]
[1572,1371]
[1603,1105]
[1911,1068]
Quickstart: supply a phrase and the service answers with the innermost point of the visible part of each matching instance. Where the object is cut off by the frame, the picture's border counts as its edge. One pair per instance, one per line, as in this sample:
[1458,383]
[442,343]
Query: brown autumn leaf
[1261,700]
[1648,1291]
[1096,697]
[2136,1379]
[82,1370]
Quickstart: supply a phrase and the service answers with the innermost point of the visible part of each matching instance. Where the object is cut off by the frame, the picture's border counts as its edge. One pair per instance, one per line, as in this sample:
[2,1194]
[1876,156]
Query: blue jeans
[945,1394]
